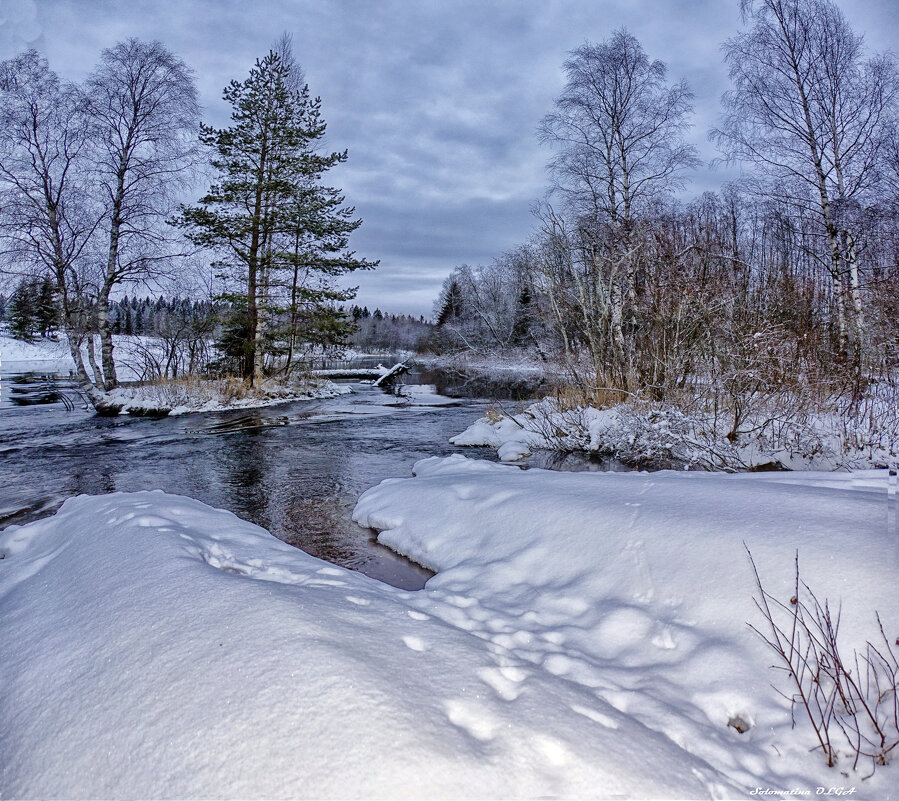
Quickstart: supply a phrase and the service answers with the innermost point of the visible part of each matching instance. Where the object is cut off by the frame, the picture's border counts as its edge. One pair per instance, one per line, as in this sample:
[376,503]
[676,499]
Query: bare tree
[810,112]
[142,107]
[46,220]
[618,127]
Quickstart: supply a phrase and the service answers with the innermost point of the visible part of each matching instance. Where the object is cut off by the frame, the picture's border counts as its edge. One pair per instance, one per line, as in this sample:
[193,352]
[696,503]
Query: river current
[296,469]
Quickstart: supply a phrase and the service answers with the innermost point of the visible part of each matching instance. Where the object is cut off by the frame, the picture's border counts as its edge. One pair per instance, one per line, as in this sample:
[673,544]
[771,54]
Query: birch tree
[810,111]
[141,105]
[47,220]
[618,129]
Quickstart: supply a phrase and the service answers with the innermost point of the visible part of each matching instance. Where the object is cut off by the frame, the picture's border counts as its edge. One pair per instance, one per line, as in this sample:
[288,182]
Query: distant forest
[31,311]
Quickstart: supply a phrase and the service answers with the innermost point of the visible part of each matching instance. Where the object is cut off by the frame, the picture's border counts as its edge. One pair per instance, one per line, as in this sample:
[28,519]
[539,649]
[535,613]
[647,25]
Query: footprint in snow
[596,717]
[358,601]
[505,682]
[415,643]
[417,615]
[471,718]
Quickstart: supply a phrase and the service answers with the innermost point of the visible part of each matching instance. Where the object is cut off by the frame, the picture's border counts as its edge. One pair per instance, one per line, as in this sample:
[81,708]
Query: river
[296,469]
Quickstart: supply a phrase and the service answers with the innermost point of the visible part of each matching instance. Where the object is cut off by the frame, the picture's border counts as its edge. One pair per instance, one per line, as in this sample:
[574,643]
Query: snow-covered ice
[585,637]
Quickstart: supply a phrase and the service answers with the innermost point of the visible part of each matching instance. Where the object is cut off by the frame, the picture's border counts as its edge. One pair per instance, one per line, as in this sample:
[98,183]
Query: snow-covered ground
[53,356]
[585,637]
[197,395]
[663,435]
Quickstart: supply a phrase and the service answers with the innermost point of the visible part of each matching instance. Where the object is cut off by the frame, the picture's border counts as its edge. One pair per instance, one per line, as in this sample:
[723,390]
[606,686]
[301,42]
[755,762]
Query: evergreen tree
[278,231]
[524,317]
[46,307]
[22,313]
[451,304]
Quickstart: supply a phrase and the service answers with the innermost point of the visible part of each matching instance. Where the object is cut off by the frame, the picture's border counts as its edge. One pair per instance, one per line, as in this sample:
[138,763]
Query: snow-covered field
[585,637]
[44,355]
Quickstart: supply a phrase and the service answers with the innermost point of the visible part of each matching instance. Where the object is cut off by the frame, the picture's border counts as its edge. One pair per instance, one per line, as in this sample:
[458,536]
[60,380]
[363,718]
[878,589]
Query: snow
[585,637]
[155,647]
[195,395]
[663,435]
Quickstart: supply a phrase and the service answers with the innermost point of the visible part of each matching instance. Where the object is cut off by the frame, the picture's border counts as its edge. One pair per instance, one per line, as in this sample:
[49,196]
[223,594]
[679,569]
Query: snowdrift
[636,587]
[585,638]
[154,647]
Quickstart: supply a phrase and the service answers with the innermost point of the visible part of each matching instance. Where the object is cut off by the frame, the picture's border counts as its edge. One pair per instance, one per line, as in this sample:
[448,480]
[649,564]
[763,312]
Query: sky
[437,101]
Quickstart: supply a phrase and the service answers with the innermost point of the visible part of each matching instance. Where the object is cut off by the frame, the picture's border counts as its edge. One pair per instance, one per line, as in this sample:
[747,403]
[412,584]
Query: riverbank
[585,636]
[52,356]
[194,395]
[649,435]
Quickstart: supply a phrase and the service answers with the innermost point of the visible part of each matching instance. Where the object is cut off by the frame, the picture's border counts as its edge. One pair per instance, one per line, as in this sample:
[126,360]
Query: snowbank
[648,434]
[154,647]
[636,589]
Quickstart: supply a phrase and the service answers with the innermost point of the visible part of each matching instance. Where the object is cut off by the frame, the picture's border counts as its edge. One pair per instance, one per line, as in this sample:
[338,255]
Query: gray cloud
[437,101]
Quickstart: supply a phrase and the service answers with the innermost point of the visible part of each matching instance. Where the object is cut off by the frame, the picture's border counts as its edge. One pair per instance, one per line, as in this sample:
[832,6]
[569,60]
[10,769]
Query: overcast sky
[437,101]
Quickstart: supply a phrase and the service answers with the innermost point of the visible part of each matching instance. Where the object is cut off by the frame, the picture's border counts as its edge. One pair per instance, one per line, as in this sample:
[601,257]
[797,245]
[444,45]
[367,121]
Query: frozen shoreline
[199,396]
[651,436]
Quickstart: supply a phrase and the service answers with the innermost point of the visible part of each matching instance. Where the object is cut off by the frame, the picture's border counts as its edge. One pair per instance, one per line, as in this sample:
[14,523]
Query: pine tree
[452,303]
[22,312]
[277,230]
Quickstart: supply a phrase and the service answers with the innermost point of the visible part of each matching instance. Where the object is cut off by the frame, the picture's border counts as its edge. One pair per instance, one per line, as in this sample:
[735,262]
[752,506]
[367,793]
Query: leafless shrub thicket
[765,308]
[851,704]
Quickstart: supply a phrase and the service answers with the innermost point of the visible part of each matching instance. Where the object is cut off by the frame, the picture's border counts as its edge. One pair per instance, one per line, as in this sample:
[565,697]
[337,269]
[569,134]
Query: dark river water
[295,469]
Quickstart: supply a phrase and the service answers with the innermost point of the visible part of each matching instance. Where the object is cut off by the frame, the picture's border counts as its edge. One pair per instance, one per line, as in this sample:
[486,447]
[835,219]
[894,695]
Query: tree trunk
[92,360]
[858,314]
[105,329]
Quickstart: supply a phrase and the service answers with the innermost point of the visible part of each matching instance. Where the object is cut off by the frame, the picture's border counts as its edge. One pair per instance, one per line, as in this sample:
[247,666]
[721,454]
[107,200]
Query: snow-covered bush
[834,435]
